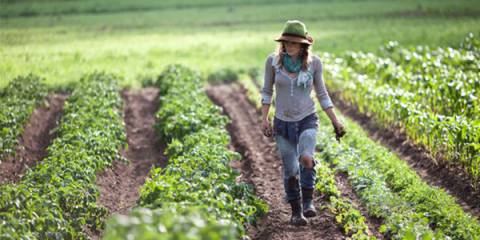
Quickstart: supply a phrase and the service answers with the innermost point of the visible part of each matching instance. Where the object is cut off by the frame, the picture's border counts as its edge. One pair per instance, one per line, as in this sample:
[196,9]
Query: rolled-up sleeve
[267,90]
[320,89]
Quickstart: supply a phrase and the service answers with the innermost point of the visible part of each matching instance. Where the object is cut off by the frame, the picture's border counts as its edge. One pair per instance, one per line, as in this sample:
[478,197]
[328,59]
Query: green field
[371,60]
[135,40]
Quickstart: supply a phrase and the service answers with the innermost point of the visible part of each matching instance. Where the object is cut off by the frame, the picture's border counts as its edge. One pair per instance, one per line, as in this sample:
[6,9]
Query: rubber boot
[297,216]
[308,208]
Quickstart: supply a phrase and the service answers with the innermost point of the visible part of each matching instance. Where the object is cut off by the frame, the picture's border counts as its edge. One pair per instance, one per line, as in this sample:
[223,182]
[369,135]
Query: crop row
[410,206]
[198,174]
[455,140]
[56,199]
[18,101]
[422,60]
[347,215]
[442,89]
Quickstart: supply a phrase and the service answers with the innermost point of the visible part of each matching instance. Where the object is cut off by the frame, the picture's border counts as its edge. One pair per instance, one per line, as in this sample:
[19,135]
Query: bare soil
[35,140]
[261,166]
[119,187]
[417,158]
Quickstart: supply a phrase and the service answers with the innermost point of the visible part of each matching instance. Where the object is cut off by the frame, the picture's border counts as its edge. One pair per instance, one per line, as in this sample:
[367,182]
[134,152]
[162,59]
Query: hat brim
[293,39]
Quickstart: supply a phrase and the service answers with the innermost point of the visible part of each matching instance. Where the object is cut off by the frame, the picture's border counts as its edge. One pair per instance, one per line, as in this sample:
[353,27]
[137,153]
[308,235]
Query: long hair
[305,54]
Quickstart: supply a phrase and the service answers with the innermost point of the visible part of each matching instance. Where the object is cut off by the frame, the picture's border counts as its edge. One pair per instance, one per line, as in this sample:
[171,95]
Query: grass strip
[19,100]
[56,199]
[198,174]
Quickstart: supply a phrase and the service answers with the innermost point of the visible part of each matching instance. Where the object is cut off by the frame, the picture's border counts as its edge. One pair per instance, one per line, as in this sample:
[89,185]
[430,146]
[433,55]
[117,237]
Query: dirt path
[262,168]
[119,188]
[417,159]
[35,140]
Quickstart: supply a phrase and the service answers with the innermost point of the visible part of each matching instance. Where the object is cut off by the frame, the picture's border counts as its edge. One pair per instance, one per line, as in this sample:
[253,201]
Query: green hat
[295,31]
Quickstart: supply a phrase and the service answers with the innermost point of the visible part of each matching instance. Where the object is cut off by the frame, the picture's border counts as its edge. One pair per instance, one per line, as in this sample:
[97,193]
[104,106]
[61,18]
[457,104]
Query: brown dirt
[35,140]
[416,157]
[119,187]
[261,167]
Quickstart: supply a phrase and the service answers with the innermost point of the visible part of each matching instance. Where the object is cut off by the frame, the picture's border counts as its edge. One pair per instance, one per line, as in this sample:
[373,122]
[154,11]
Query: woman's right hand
[266,128]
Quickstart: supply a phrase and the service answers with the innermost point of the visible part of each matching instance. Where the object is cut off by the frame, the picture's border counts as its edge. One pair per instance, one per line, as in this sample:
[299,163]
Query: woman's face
[292,48]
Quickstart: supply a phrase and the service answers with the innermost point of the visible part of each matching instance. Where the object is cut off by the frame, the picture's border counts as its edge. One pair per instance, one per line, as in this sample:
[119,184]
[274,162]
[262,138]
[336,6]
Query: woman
[295,72]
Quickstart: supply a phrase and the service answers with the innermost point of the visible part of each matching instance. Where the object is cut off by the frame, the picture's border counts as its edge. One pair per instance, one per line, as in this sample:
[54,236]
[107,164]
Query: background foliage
[63,40]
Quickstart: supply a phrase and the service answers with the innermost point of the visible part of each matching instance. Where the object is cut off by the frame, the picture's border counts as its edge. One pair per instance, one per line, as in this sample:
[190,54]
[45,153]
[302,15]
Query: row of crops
[411,209]
[391,190]
[56,199]
[17,102]
[198,182]
[347,215]
[195,197]
[431,95]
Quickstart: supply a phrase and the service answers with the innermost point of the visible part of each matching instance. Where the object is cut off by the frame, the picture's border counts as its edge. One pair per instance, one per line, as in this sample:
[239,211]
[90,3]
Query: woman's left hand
[337,124]
[339,130]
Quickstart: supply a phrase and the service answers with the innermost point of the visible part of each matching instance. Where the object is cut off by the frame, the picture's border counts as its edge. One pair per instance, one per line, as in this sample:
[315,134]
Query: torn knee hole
[307,160]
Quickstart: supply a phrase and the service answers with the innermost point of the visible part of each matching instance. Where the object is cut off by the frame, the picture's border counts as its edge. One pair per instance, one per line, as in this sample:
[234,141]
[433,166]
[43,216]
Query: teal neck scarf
[288,64]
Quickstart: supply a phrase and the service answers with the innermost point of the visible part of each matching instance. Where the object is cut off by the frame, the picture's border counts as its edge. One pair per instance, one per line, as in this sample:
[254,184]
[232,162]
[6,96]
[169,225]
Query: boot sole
[300,222]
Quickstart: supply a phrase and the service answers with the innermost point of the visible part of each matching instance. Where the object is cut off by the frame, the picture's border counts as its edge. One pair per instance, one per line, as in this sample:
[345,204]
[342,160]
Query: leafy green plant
[57,198]
[431,95]
[410,205]
[347,216]
[222,76]
[18,101]
[168,223]
[198,174]
[325,183]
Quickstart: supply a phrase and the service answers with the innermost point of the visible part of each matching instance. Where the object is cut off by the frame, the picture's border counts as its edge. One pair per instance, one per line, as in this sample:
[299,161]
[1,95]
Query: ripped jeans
[290,153]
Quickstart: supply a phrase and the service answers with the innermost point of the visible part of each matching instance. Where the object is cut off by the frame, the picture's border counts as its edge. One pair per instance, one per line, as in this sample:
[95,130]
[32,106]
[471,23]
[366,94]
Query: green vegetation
[198,174]
[57,198]
[12,8]
[347,215]
[169,224]
[350,219]
[136,45]
[325,184]
[19,100]
[431,94]
[409,206]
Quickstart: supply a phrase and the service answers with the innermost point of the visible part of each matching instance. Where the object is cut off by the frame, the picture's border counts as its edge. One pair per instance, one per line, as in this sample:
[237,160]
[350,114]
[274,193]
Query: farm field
[141,120]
